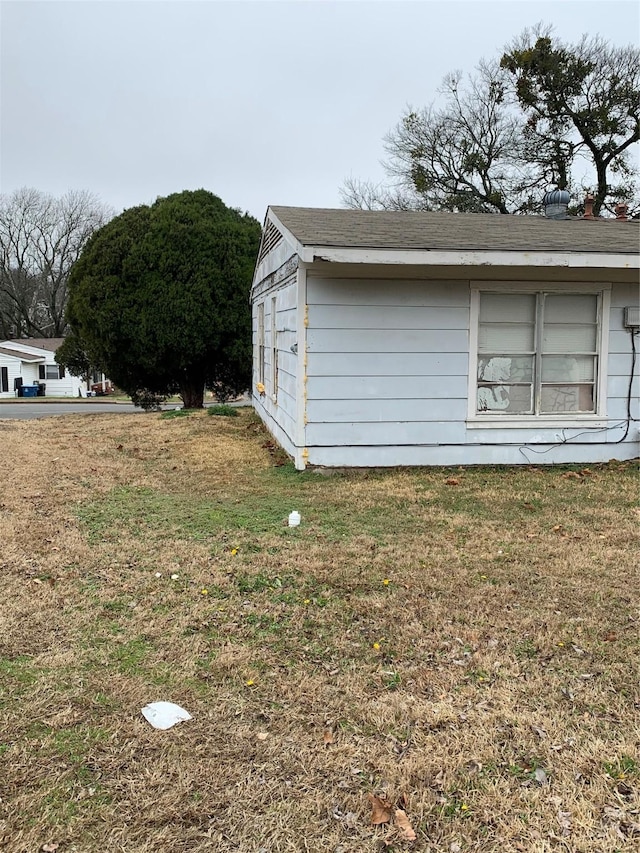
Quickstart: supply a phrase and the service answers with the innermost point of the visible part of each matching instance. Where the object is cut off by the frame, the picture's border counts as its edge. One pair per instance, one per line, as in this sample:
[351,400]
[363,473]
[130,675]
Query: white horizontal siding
[379,342]
[383,317]
[377,410]
[386,387]
[393,364]
[623,295]
[386,381]
[387,432]
[393,292]
[620,342]
[618,386]
[619,400]
[279,414]
[463,454]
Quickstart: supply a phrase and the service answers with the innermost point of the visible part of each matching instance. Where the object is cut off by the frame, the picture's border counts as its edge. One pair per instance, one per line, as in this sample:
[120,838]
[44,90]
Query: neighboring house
[32,361]
[410,338]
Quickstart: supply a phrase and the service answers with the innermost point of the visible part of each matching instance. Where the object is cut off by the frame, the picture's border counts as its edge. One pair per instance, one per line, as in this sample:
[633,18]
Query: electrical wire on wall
[625,423]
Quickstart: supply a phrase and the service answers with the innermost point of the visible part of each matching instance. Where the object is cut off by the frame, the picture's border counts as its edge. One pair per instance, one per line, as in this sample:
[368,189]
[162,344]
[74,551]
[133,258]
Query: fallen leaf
[610,637]
[51,847]
[452,481]
[571,475]
[541,776]
[327,737]
[262,736]
[564,819]
[381,812]
[557,527]
[407,832]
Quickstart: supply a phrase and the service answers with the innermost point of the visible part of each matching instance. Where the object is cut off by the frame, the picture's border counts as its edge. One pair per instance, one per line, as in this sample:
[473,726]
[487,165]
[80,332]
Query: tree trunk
[601,192]
[192,393]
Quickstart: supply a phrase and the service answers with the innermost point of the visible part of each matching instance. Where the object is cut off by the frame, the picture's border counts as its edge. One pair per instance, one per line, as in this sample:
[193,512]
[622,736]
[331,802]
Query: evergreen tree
[160,297]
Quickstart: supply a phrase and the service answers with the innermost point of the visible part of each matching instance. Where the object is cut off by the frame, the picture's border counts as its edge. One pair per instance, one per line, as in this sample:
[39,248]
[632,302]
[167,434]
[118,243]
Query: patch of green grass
[222,409]
[148,512]
[525,649]
[128,657]
[622,767]
[74,744]
[18,670]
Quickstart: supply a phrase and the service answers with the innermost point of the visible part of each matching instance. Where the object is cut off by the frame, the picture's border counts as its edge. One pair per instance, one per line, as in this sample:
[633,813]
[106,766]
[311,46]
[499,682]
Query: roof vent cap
[556,203]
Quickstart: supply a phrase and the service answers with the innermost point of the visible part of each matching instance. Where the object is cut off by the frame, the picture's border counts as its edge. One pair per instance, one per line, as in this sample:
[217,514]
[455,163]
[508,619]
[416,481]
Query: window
[51,371]
[274,349]
[537,353]
[261,343]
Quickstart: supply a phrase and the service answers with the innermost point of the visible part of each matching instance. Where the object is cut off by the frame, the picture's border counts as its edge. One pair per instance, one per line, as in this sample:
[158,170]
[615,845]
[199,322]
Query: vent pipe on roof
[621,211]
[588,207]
[556,203]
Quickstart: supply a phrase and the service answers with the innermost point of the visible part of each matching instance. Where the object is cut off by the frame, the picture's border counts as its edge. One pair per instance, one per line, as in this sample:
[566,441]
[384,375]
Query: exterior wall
[387,378]
[66,387]
[277,406]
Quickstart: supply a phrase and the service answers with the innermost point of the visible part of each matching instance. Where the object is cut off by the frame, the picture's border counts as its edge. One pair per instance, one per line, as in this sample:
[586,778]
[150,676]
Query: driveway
[27,410]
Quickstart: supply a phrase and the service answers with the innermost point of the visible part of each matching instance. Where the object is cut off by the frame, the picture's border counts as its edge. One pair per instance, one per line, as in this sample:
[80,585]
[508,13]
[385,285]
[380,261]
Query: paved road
[29,410]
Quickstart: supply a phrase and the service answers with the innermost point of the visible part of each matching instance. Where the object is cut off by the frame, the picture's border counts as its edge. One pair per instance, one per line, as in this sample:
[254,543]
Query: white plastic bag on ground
[164,715]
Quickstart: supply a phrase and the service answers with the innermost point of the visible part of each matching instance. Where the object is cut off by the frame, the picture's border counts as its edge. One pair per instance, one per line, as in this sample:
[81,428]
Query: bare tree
[465,155]
[496,140]
[41,237]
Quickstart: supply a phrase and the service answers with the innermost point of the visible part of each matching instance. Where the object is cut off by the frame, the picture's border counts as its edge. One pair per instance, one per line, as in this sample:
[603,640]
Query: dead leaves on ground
[383,811]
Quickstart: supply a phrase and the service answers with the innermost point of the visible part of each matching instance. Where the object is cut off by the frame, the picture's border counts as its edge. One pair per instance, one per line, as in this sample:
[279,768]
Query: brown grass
[468,651]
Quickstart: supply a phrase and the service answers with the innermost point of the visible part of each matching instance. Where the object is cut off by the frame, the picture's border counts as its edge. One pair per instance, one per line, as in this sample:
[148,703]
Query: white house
[31,362]
[413,338]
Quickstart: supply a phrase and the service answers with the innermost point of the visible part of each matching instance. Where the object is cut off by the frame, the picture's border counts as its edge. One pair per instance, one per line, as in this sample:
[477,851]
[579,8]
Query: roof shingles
[457,231]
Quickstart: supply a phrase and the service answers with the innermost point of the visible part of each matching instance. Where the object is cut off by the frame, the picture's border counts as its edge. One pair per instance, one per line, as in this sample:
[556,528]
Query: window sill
[538,422]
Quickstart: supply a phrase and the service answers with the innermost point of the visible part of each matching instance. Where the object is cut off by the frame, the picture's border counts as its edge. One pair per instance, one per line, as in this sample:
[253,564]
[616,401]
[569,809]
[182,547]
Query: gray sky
[260,101]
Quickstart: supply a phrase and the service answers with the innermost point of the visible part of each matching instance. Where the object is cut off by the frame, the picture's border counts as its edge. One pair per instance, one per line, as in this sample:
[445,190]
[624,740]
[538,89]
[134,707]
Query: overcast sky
[262,102]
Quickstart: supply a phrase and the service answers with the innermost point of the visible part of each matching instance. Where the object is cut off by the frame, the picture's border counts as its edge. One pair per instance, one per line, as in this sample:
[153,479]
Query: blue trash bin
[29,390]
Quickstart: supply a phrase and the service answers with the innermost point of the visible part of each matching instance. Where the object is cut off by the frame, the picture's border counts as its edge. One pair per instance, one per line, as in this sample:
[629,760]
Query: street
[28,410]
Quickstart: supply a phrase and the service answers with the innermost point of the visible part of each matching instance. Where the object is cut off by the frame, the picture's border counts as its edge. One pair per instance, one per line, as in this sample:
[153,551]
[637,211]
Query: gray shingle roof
[50,344]
[23,356]
[457,231]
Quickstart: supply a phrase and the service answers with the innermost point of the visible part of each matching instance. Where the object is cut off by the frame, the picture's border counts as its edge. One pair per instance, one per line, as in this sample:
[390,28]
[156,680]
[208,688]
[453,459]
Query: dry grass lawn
[462,645]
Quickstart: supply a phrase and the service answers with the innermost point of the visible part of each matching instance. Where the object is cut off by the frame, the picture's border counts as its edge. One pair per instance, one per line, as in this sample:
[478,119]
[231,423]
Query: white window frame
[476,420]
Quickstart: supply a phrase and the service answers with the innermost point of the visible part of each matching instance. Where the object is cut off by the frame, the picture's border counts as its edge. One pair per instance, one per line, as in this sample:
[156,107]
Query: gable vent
[271,237]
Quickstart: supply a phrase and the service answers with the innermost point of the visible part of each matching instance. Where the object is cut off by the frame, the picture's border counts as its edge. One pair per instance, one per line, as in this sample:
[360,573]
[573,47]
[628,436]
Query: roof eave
[468,257]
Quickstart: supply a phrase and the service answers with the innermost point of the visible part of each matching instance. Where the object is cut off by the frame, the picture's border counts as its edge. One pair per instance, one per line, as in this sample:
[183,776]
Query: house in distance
[429,338]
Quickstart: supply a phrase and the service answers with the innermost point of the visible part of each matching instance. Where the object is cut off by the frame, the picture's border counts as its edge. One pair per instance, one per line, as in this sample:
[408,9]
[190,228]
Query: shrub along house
[414,338]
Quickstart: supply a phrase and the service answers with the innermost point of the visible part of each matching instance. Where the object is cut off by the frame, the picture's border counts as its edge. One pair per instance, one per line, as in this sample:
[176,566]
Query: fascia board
[436,257]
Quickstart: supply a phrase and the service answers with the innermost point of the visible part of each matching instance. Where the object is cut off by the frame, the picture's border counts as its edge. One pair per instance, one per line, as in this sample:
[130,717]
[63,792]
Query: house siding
[68,386]
[280,413]
[393,341]
[620,357]
[387,381]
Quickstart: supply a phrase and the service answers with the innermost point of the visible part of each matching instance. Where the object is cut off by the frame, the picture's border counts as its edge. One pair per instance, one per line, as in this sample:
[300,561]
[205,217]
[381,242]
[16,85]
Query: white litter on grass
[174,577]
[164,715]
[294,518]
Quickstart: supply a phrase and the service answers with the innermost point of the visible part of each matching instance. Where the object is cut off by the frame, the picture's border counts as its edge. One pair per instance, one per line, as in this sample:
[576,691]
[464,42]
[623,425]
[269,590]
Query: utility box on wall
[632,317]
